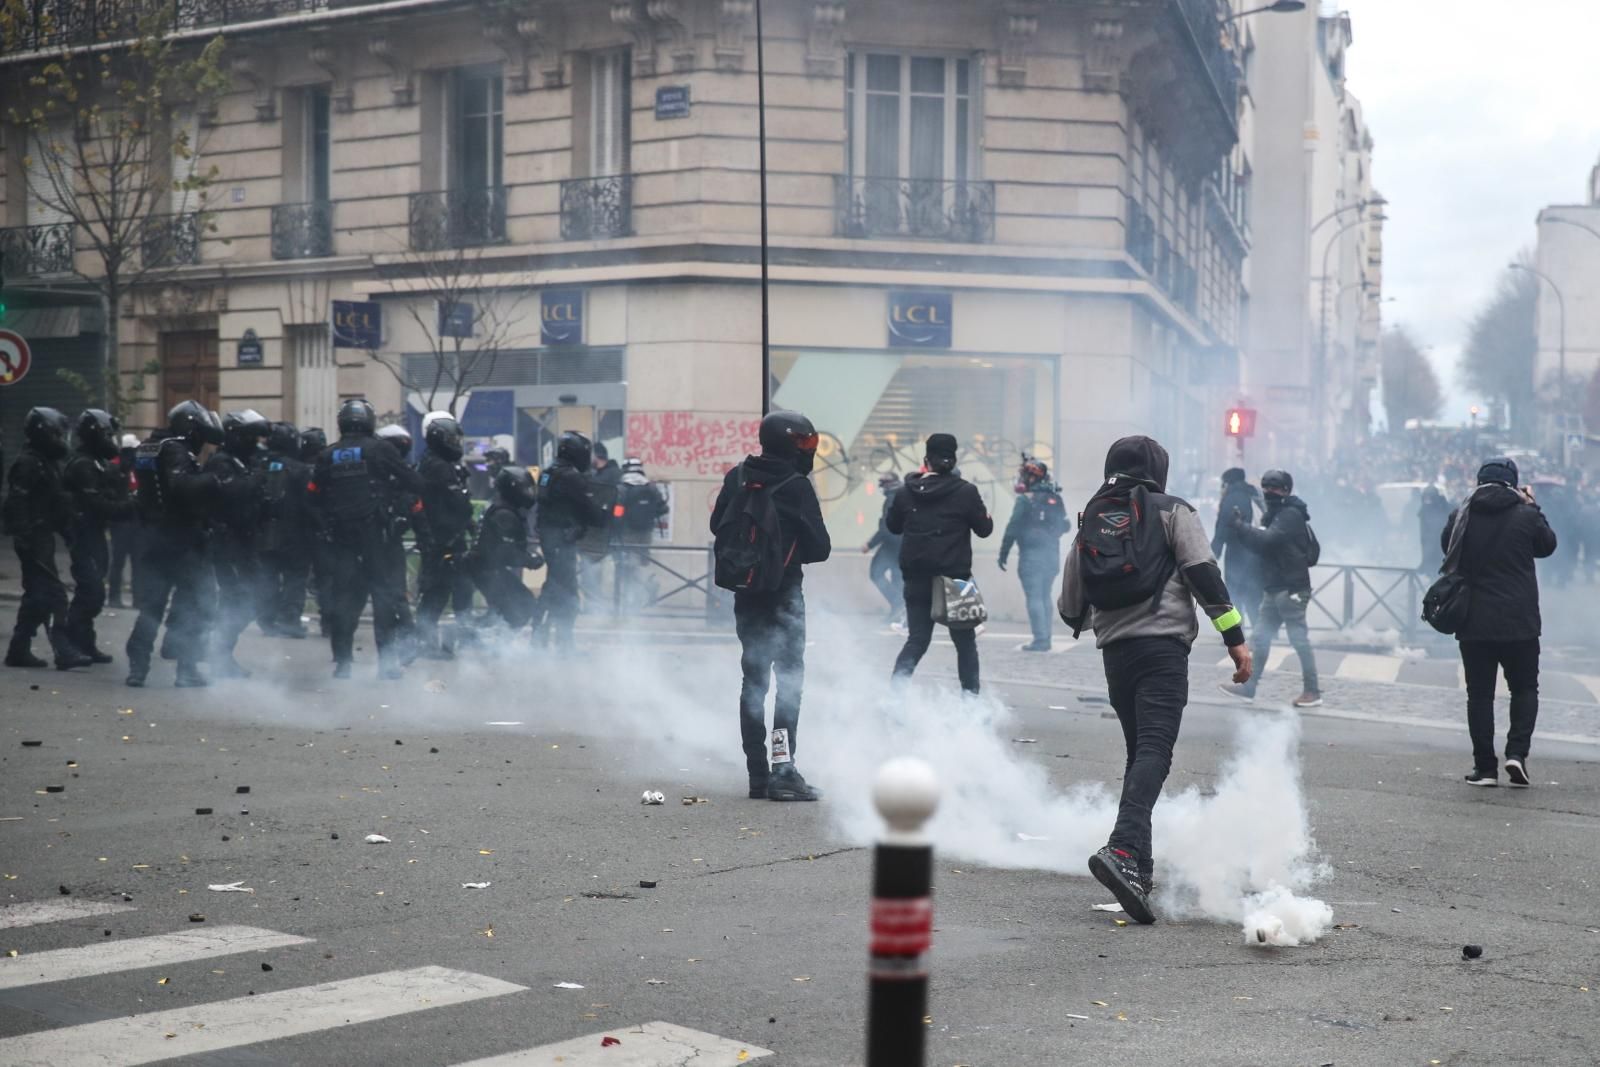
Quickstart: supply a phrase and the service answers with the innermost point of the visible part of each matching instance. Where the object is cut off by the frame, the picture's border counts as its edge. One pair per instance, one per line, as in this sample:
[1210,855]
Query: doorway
[189,369]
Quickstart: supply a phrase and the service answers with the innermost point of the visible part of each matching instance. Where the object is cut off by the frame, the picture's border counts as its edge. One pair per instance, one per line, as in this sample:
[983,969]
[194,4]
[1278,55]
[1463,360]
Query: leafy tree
[1411,387]
[103,150]
[1502,347]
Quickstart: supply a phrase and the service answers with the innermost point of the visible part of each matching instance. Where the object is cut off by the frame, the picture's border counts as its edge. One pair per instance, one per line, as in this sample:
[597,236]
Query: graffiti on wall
[686,443]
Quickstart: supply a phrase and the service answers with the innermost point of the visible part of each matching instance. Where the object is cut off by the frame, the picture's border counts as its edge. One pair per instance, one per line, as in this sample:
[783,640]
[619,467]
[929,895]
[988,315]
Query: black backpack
[749,549]
[1313,547]
[1123,555]
[1046,513]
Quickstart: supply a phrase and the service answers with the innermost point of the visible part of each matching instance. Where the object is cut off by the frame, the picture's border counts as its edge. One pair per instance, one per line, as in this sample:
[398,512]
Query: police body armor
[352,494]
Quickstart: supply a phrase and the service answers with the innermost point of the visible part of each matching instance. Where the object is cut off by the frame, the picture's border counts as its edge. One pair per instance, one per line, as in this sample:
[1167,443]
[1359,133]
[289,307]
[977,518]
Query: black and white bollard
[906,793]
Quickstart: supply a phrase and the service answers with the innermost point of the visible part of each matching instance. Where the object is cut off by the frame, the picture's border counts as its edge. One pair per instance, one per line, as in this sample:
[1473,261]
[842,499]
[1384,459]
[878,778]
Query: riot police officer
[36,510]
[405,510]
[124,532]
[565,512]
[501,553]
[234,553]
[354,481]
[99,499]
[286,534]
[312,442]
[448,504]
[176,500]
[1038,522]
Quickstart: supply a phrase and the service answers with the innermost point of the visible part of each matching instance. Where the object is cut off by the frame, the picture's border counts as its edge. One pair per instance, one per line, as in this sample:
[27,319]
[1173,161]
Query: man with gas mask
[37,508]
[286,534]
[354,481]
[565,511]
[448,503]
[99,499]
[1038,522]
[234,550]
[768,524]
[176,500]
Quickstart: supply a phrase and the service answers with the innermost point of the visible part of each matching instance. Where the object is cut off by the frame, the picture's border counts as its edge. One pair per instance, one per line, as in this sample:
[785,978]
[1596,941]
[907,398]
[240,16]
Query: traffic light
[1240,422]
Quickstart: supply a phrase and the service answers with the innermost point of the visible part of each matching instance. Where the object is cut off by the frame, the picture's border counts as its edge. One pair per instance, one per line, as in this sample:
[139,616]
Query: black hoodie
[1282,543]
[937,514]
[1504,535]
[799,512]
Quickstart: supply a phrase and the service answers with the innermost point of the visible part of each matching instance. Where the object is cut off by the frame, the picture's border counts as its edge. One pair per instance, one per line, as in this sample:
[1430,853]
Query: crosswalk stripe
[226,1024]
[64,964]
[655,1044]
[1364,667]
[1591,683]
[35,912]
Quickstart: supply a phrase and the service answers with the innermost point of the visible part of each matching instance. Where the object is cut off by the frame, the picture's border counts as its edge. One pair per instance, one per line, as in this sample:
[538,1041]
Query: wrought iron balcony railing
[302,231]
[45,24]
[170,240]
[595,209]
[962,212]
[31,251]
[458,218]
[1140,240]
[1205,21]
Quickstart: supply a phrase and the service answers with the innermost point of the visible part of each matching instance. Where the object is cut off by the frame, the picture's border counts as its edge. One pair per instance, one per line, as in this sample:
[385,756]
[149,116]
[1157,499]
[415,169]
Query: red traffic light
[1240,422]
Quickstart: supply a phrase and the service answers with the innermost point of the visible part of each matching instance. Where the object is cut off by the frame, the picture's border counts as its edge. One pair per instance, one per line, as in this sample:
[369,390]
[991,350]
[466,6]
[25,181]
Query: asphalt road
[755,930]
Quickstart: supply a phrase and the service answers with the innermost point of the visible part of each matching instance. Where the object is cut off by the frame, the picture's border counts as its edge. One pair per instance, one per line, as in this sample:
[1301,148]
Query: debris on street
[376,839]
[652,797]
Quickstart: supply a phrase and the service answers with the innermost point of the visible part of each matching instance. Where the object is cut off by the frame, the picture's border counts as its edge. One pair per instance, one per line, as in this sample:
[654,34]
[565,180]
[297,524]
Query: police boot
[137,673]
[90,646]
[191,677]
[68,655]
[20,654]
[341,668]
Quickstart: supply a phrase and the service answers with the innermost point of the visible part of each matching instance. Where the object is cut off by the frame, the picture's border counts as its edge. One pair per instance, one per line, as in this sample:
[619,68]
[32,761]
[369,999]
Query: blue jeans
[1287,609]
[1037,571]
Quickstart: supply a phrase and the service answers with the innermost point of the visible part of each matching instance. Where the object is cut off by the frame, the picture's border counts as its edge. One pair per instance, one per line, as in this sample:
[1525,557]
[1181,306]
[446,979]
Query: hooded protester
[1137,568]
[1502,532]
[1038,522]
[936,515]
[37,509]
[1286,549]
[768,524]
[1433,511]
[884,567]
[1240,566]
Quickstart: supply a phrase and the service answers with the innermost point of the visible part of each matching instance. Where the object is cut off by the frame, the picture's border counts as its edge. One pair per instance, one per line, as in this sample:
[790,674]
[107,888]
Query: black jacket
[799,511]
[36,501]
[565,504]
[883,540]
[1504,535]
[99,495]
[1241,565]
[1281,543]
[937,514]
[357,477]
[445,498]
[1038,522]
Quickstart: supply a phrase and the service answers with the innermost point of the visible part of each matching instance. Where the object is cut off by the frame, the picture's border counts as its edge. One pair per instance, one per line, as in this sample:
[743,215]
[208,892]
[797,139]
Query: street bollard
[906,793]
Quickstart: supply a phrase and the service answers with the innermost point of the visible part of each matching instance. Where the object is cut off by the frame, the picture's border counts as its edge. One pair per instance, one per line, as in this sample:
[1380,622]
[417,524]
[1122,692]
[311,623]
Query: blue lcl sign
[561,316]
[357,324]
[919,320]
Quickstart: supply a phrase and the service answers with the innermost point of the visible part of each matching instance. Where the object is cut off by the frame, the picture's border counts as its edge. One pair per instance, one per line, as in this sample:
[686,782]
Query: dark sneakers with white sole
[1485,778]
[1517,773]
[1118,871]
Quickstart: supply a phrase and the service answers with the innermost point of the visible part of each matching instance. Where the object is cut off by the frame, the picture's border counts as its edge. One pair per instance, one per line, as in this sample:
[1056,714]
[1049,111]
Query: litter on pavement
[653,797]
[476,885]
[230,887]
[1115,909]
[568,985]
[376,839]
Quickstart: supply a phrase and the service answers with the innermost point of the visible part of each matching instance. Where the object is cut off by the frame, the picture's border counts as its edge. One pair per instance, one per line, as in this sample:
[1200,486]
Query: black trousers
[91,561]
[1036,570]
[1482,662]
[507,596]
[1147,679]
[171,569]
[44,597]
[437,581]
[885,572]
[919,634]
[240,589]
[124,550]
[361,565]
[772,641]
[560,597]
[284,577]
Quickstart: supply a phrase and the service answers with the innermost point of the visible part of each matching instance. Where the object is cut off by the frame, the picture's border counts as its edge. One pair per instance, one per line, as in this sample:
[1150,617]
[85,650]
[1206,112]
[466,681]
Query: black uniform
[36,510]
[355,480]
[124,532]
[1038,522]
[502,554]
[448,503]
[565,512]
[235,556]
[287,538]
[100,502]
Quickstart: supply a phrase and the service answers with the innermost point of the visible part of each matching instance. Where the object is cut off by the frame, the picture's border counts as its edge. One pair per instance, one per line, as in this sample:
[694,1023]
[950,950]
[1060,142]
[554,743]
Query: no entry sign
[15,357]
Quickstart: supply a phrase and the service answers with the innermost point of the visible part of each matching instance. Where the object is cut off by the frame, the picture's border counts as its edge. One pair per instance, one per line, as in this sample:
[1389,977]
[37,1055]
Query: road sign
[15,357]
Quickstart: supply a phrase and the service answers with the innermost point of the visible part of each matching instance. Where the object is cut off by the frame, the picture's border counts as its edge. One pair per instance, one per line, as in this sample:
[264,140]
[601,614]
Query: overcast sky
[1483,112]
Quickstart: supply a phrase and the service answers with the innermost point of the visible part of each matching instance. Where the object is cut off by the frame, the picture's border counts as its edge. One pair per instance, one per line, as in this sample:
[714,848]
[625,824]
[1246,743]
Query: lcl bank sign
[561,316]
[919,320]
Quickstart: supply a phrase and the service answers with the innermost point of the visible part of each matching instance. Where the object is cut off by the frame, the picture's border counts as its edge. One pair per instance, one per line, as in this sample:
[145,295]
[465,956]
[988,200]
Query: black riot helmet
[357,417]
[313,439]
[243,430]
[789,435]
[189,420]
[283,440]
[46,429]
[398,436]
[97,433]
[574,448]
[515,486]
[1277,483]
[442,434]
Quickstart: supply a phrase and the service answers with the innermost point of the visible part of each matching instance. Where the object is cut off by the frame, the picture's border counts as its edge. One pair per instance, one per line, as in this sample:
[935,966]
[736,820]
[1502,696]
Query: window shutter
[43,200]
[185,163]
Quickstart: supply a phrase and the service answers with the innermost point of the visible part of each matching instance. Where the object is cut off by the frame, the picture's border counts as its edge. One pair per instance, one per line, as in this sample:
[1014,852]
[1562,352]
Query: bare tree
[1503,346]
[112,148]
[1411,387]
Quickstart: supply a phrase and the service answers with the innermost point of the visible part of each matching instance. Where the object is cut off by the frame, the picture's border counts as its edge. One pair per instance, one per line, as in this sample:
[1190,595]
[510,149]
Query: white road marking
[201,1028]
[1276,657]
[651,1045]
[35,912]
[64,964]
[1362,667]
[1591,683]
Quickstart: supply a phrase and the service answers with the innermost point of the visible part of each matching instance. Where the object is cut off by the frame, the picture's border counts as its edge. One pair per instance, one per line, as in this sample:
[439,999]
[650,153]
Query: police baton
[906,793]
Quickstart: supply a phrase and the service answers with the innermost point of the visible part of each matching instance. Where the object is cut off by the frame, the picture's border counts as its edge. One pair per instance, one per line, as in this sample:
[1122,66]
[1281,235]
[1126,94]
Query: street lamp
[1322,307]
[1572,222]
[1561,306]
[1282,7]
[1376,201]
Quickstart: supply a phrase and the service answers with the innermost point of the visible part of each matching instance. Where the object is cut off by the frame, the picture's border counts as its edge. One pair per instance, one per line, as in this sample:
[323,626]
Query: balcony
[1140,240]
[1155,255]
[31,251]
[1204,20]
[54,24]
[920,208]
[459,218]
[170,240]
[596,209]
[302,231]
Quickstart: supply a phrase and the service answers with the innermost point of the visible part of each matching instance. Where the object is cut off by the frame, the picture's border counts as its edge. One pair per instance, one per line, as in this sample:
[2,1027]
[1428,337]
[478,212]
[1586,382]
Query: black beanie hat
[942,444]
[1499,469]
[1233,476]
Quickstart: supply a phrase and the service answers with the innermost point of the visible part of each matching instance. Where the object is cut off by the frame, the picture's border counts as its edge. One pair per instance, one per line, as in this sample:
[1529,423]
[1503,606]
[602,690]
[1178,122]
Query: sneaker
[1486,778]
[786,784]
[136,676]
[758,787]
[1308,699]
[1034,646]
[1238,692]
[341,669]
[898,627]
[1517,772]
[1118,871]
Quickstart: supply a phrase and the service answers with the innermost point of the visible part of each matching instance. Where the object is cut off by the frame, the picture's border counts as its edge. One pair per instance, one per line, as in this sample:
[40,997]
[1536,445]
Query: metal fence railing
[1348,597]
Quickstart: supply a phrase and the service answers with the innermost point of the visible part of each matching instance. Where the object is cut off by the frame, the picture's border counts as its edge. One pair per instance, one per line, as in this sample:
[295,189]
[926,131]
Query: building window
[610,110]
[318,146]
[185,140]
[477,156]
[910,116]
[49,156]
